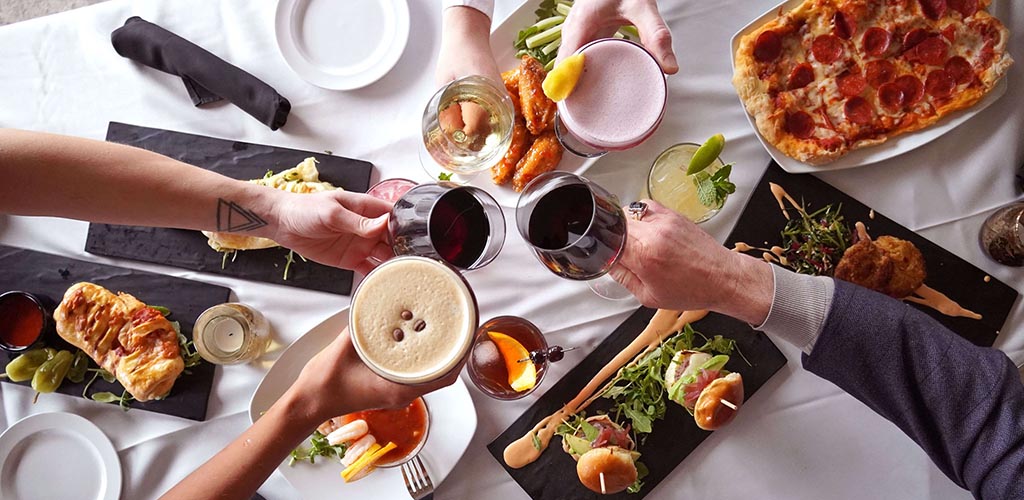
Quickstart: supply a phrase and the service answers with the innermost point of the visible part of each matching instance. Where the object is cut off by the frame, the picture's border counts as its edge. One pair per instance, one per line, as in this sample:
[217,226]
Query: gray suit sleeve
[963,404]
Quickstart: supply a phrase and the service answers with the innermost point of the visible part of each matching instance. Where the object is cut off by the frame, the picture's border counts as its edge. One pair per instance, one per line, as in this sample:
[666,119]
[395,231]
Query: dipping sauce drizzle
[524,451]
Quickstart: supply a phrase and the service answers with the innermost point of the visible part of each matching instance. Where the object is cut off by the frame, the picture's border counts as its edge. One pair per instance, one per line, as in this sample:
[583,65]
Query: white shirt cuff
[485,6]
[800,305]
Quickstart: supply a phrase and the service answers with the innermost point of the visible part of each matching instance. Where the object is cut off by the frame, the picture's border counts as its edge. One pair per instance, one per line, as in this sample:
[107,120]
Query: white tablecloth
[799,437]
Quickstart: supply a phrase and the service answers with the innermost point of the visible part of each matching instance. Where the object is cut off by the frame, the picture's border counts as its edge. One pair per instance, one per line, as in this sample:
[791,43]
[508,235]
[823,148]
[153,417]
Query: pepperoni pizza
[831,76]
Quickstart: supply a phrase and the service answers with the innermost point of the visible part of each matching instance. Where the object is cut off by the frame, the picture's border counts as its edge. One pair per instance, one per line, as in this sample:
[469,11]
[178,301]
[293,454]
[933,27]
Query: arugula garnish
[319,447]
[713,189]
[814,243]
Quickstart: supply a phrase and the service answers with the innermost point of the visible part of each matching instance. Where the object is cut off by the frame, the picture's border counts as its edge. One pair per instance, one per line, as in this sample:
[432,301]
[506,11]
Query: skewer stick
[601,476]
[727,403]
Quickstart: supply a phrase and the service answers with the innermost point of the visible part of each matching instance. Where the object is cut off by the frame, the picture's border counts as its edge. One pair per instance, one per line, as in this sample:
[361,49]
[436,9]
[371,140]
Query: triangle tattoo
[233,218]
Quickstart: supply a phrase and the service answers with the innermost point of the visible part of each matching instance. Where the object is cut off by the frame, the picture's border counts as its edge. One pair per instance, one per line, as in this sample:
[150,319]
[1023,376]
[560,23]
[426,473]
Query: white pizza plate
[59,456]
[340,44]
[452,424]
[502,38]
[866,156]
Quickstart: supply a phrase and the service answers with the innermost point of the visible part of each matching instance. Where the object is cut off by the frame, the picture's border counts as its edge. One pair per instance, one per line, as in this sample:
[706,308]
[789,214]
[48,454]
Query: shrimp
[330,425]
[357,449]
[348,432]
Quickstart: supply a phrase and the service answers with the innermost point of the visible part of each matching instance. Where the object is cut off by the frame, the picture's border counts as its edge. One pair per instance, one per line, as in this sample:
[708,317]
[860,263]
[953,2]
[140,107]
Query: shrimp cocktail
[413,320]
[618,101]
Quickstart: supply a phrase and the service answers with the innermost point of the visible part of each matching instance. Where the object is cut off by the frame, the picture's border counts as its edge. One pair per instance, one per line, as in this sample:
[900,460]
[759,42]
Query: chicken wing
[503,171]
[511,80]
[538,110]
[543,156]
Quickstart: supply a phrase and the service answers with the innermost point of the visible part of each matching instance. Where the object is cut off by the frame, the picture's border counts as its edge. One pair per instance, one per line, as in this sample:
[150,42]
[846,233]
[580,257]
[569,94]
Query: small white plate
[502,38]
[452,424]
[58,456]
[891,148]
[342,44]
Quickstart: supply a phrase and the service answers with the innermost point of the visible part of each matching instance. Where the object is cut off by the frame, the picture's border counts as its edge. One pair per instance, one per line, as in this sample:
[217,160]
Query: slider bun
[709,412]
[617,465]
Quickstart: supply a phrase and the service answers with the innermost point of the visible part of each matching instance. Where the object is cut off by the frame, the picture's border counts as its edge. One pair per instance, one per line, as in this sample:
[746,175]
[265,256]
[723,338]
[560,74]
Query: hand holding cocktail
[589,21]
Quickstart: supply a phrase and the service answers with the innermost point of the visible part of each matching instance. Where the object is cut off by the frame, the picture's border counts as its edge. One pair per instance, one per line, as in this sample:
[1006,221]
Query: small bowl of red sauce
[406,427]
[23,319]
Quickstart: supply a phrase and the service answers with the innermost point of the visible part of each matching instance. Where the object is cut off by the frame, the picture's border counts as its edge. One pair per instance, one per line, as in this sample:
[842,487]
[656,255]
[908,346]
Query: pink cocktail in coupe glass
[618,102]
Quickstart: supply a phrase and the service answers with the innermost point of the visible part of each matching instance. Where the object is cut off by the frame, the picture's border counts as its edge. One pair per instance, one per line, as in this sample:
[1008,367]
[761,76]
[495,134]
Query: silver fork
[417,481]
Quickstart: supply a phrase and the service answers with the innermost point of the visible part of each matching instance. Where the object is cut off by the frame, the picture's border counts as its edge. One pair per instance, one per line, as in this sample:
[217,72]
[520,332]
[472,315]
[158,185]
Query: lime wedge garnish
[706,154]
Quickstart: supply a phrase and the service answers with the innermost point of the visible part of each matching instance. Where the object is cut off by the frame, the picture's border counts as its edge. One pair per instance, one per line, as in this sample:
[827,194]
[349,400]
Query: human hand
[466,47]
[670,263]
[590,20]
[335,228]
[336,382]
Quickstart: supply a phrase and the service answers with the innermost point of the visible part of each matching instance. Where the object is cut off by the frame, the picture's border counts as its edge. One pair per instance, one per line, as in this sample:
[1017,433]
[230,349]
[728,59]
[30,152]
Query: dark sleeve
[963,404]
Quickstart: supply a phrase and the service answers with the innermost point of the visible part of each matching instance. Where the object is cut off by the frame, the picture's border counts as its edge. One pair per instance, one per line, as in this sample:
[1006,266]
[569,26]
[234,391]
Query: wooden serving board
[762,221]
[240,160]
[49,276]
[553,475]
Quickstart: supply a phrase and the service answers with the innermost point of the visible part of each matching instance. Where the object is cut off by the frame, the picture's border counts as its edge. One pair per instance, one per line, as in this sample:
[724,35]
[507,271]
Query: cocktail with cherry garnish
[510,357]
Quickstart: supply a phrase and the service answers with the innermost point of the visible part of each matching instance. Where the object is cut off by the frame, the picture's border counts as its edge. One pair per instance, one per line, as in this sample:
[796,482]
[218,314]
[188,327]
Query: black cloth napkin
[207,77]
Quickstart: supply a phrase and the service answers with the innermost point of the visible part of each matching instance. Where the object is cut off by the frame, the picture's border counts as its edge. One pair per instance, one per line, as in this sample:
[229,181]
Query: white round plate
[452,424]
[342,44]
[891,148]
[58,456]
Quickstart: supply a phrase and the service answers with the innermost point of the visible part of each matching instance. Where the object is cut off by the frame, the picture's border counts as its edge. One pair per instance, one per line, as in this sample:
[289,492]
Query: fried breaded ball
[887,265]
[908,264]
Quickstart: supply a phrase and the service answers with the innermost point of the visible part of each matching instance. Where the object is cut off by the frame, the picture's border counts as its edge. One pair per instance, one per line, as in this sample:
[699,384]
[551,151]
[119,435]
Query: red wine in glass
[461,225]
[576,227]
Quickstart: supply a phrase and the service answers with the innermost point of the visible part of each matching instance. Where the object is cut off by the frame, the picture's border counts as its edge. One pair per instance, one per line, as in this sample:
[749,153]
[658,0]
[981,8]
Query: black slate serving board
[240,160]
[50,276]
[960,280]
[553,475]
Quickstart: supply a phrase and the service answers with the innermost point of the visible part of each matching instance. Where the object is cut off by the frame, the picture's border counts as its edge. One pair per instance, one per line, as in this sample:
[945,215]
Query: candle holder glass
[231,333]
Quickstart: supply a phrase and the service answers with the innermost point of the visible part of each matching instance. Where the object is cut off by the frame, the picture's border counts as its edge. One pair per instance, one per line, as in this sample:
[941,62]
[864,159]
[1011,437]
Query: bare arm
[333,383]
[46,174]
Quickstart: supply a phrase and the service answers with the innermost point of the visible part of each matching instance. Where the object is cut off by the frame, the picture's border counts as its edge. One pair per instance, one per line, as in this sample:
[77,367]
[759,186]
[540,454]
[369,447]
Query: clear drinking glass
[486,365]
[669,184]
[461,225]
[467,127]
[576,228]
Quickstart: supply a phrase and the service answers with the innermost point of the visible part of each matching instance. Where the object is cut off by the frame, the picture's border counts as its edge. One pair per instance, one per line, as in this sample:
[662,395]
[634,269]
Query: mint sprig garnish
[713,189]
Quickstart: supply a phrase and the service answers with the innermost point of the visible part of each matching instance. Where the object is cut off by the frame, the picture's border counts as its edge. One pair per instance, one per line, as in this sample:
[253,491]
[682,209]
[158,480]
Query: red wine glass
[576,228]
[461,225]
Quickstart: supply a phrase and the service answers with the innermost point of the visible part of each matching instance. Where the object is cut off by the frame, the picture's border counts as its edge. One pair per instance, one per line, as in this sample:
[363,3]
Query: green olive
[51,373]
[23,367]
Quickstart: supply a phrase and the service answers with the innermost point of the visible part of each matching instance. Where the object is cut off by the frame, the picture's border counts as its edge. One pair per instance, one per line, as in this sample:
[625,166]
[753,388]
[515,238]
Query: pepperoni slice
[933,9]
[843,25]
[940,84]
[914,37]
[879,72]
[932,51]
[876,41]
[768,46]
[966,8]
[891,97]
[858,110]
[801,76]
[950,33]
[960,70]
[913,89]
[827,49]
[800,124]
[851,84]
